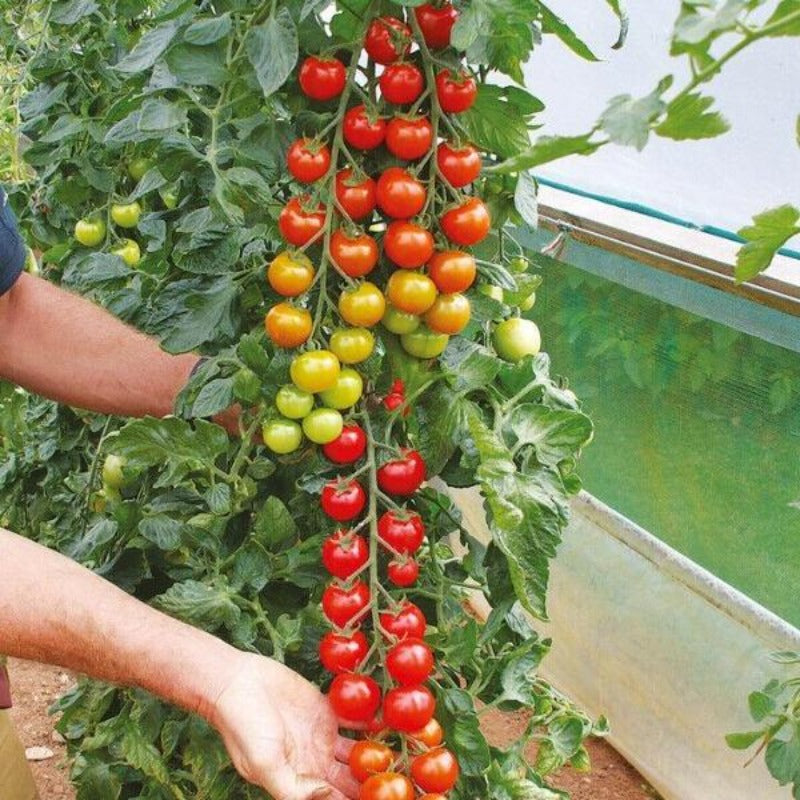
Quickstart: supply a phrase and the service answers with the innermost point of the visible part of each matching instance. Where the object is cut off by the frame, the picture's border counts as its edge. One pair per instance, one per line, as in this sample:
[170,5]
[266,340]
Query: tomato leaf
[273,49]
[148,49]
[204,605]
[689,118]
[770,231]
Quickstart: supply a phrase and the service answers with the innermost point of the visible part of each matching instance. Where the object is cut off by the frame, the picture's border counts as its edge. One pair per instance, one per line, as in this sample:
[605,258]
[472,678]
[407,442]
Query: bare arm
[278,728]
[68,349]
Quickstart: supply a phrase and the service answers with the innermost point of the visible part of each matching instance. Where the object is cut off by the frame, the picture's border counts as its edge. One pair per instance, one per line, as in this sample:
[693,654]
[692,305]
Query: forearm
[55,611]
[68,349]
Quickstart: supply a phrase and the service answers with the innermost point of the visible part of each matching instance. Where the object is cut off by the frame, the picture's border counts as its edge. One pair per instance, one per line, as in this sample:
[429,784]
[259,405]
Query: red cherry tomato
[452,271]
[369,758]
[456,93]
[363,130]
[402,476]
[403,573]
[388,39]
[467,224]
[344,607]
[343,500]
[431,735]
[410,662]
[403,531]
[459,165]
[344,553]
[298,225]
[408,708]
[407,245]
[409,138]
[449,314]
[401,83]
[407,621]
[354,697]
[387,786]
[398,386]
[394,400]
[355,193]
[308,161]
[436,24]
[322,78]
[342,653]
[436,770]
[348,447]
[356,256]
[399,194]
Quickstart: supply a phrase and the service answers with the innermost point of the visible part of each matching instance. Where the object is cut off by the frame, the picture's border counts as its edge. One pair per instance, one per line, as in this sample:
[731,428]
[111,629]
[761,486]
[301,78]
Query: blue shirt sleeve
[13,252]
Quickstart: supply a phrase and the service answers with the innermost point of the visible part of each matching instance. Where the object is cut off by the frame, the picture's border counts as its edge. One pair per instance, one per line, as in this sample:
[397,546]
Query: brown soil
[36,686]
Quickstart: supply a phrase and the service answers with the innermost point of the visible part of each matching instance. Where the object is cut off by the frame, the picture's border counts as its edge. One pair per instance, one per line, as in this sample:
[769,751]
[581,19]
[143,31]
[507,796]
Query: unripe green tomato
[246,385]
[90,232]
[528,303]
[129,252]
[495,292]
[113,477]
[352,345]
[31,264]
[519,264]
[282,436]
[138,167]
[323,425]
[400,322]
[516,338]
[346,392]
[424,343]
[126,215]
[294,403]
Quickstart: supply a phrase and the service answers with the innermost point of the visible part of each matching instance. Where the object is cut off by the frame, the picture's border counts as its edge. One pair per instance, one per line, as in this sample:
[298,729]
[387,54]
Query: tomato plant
[276,132]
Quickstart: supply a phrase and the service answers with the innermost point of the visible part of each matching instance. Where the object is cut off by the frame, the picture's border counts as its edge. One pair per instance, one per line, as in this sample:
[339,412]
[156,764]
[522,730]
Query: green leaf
[787,18]
[618,7]
[770,231]
[496,122]
[207,606]
[761,705]
[206,31]
[628,120]
[350,19]
[552,23]
[545,150]
[215,396]
[513,786]
[688,118]
[464,733]
[173,445]
[159,115]
[554,434]
[566,734]
[273,524]
[162,531]
[98,780]
[741,741]
[469,366]
[704,22]
[149,48]
[783,758]
[142,755]
[525,199]
[520,673]
[273,50]
[441,417]
[70,12]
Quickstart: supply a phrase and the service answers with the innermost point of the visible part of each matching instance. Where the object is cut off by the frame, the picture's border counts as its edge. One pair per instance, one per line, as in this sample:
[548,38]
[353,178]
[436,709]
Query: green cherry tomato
[315,371]
[138,167]
[528,303]
[495,292]
[282,436]
[294,403]
[346,392]
[400,322]
[424,343]
[90,232]
[516,338]
[113,477]
[352,345]
[126,215]
[323,425]
[129,252]
[518,264]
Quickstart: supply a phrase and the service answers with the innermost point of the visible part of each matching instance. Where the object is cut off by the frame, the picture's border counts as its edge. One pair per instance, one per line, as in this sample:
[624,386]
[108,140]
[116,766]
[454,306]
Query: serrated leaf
[273,50]
[770,231]
[68,13]
[149,48]
[162,531]
[204,605]
[520,673]
[554,434]
[628,120]
[273,524]
[545,150]
[464,733]
[206,31]
[703,22]
[469,366]
[215,396]
[552,23]
[689,118]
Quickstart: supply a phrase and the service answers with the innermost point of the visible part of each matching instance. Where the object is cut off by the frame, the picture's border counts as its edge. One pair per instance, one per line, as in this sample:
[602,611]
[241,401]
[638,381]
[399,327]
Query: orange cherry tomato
[449,314]
[431,735]
[290,274]
[354,255]
[288,326]
[362,306]
[410,291]
[368,758]
[467,224]
[452,271]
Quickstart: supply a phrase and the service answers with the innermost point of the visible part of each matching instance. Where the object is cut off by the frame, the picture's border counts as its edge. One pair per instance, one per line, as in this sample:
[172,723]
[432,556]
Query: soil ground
[36,686]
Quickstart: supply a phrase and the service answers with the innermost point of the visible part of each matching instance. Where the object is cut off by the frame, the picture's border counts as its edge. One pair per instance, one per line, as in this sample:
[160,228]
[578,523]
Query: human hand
[282,734]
